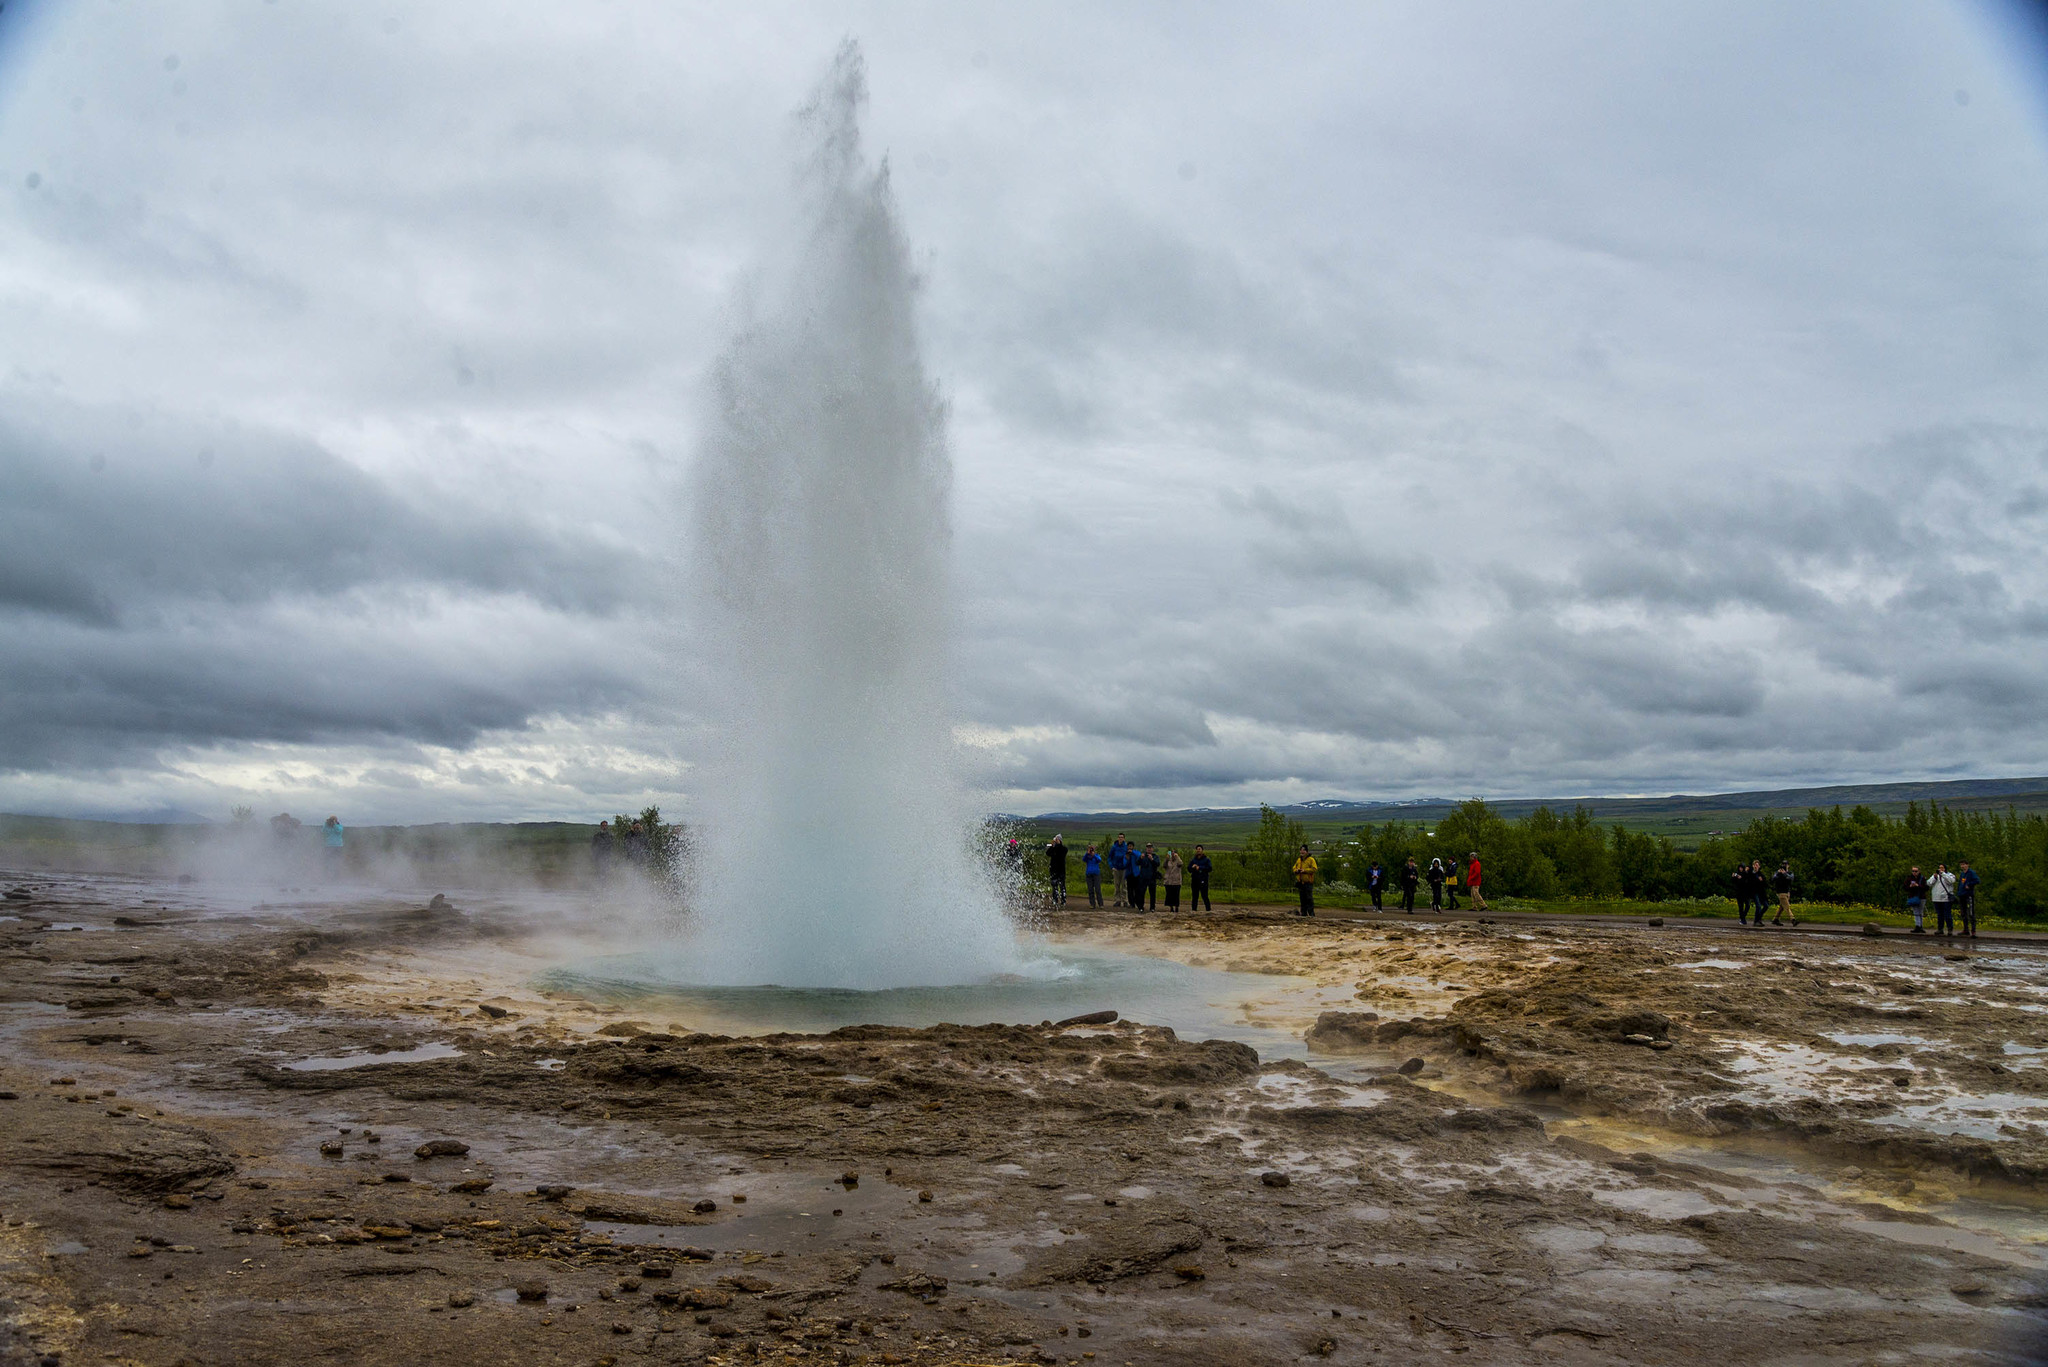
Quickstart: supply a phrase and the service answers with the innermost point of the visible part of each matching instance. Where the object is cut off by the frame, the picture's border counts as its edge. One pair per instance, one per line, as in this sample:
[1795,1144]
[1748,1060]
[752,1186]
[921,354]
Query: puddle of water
[422,1054]
[1875,1039]
[1714,963]
[550,1065]
[2012,1048]
[1978,1116]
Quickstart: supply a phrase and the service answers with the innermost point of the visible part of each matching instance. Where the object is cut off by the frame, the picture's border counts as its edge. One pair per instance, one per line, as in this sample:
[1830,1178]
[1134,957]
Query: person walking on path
[1199,869]
[1454,878]
[1437,877]
[1120,869]
[1781,888]
[1410,877]
[1472,873]
[1916,895]
[1056,869]
[1375,883]
[1170,873]
[332,837]
[1091,864]
[1941,890]
[602,846]
[1966,900]
[1740,881]
[1305,882]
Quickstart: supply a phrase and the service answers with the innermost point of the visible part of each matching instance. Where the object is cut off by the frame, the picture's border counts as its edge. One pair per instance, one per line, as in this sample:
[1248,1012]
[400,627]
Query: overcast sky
[1347,400]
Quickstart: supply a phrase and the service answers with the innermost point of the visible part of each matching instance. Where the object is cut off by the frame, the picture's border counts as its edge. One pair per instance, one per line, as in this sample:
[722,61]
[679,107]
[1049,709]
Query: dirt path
[177,1186]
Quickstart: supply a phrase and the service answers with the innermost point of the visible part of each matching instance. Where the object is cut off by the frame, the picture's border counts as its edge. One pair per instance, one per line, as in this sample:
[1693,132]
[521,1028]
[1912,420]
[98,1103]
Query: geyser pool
[1197,1003]
[834,844]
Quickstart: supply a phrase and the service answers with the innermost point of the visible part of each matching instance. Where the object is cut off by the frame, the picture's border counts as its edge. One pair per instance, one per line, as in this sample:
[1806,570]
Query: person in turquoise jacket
[332,836]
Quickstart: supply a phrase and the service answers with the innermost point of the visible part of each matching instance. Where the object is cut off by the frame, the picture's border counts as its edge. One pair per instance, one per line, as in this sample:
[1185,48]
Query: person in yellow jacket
[1305,881]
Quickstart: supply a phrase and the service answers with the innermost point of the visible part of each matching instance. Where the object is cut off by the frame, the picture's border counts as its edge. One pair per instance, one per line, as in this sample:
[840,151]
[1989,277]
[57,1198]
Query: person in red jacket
[1472,883]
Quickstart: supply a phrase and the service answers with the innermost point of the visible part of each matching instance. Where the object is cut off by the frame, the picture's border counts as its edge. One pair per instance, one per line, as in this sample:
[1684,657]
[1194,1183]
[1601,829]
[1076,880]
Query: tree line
[1836,856]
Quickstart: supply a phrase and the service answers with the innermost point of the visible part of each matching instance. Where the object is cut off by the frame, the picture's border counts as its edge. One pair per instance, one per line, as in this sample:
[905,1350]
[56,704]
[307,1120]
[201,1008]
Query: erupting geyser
[835,846]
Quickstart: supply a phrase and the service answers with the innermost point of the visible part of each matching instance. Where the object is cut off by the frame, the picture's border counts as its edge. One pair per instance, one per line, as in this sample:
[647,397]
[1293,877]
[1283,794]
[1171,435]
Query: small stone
[1644,1040]
[553,1191]
[1901,1081]
[629,1283]
[1091,1018]
[141,1251]
[621,1327]
[1190,1272]
[471,1186]
[177,1200]
[1276,1179]
[397,1177]
[1656,921]
[924,1196]
[705,1206]
[720,1330]
[496,1013]
[533,1289]
[849,1179]
[441,1148]
[372,1137]
[657,1271]
[332,1148]
[461,1300]
[1660,1045]
[1411,1067]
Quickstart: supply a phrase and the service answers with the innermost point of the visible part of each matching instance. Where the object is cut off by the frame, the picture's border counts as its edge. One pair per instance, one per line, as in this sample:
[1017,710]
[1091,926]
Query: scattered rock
[440,902]
[703,1298]
[920,1284]
[441,1148]
[1091,1018]
[1411,1067]
[472,1186]
[532,1289]
[1644,1040]
[849,1179]
[1337,1032]
[705,1206]
[177,1200]
[1276,1179]
[1190,1272]
[496,1013]
[924,1196]
[656,1271]
[461,1300]
[553,1191]
[1655,921]
[331,1147]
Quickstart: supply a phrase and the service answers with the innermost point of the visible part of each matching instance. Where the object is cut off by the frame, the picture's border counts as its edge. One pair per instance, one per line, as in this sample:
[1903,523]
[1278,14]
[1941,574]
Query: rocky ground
[470,1172]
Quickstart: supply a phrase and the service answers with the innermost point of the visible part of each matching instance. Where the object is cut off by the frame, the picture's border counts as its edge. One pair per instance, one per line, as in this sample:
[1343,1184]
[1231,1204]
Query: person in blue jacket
[1091,864]
[332,836]
[1120,869]
[1376,883]
[1966,905]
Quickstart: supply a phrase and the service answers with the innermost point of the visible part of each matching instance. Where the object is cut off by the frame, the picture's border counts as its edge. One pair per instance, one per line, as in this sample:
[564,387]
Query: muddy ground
[1812,1151]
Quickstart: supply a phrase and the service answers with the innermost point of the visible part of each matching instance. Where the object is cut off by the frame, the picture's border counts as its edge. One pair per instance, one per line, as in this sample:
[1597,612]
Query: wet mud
[361,1133]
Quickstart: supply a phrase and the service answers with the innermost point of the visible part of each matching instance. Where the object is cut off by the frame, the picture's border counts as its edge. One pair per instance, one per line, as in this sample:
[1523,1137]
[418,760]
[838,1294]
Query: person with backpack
[1375,883]
[1091,865]
[1916,896]
[1781,888]
[1966,900]
[1145,880]
[1305,882]
[1739,880]
[1199,869]
[1454,878]
[1056,869]
[1472,873]
[1437,878]
[1119,869]
[1941,890]
[1411,876]
[1170,874]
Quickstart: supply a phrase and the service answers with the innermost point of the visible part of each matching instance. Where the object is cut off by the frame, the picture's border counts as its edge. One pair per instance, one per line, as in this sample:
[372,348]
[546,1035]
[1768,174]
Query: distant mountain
[160,816]
[1951,792]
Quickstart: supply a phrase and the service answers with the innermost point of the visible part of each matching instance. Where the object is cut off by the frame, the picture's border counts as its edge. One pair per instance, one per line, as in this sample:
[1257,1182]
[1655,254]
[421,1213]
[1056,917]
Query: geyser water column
[834,839]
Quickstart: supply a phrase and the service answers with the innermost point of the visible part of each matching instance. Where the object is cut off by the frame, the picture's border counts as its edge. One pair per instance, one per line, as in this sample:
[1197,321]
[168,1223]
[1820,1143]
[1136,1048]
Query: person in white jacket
[1941,890]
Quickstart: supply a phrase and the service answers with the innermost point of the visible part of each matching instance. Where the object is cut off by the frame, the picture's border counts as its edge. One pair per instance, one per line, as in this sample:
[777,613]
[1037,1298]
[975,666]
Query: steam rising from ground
[834,839]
